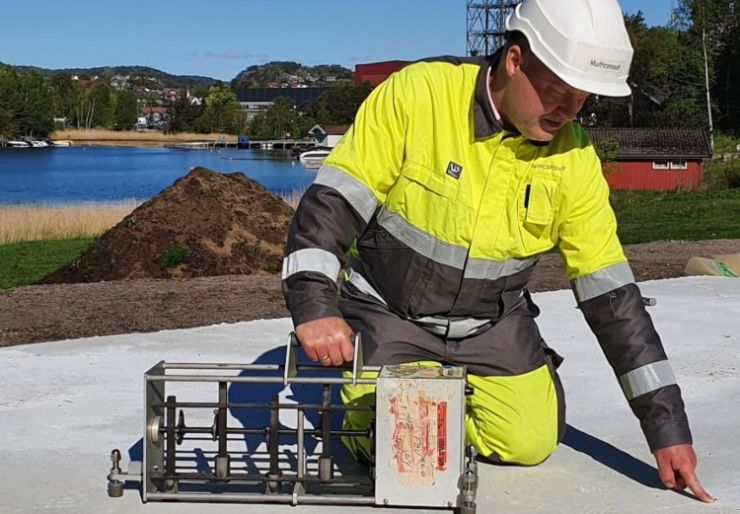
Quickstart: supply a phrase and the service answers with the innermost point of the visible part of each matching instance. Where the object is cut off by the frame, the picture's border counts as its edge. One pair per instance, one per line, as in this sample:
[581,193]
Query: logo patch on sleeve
[454,170]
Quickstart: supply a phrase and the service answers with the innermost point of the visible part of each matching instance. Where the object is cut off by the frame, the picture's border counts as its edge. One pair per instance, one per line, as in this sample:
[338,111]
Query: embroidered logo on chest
[454,170]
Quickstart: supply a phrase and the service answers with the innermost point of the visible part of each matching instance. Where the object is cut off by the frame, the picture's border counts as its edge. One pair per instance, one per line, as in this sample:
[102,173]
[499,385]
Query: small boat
[314,158]
[38,143]
[60,142]
[17,143]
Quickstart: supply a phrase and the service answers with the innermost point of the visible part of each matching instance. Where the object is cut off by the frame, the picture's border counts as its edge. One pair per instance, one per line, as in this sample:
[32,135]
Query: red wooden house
[655,159]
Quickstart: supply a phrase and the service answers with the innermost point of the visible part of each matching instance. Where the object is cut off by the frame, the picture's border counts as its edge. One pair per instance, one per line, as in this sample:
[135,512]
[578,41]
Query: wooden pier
[273,144]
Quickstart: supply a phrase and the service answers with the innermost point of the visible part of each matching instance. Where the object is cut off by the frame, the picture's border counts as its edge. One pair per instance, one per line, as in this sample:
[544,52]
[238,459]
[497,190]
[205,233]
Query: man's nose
[572,104]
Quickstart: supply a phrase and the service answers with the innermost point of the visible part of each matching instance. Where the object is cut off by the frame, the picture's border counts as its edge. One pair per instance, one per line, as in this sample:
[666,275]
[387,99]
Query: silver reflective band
[452,328]
[491,270]
[646,379]
[419,241]
[357,194]
[364,286]
[458,328]
[602,281]
[312,259]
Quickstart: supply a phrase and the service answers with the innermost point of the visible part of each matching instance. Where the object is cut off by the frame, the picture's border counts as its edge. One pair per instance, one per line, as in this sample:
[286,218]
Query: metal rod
[264,431]
[221,423]
[263,498]
[303,406]
[258,367]
[325,420]
[273,438]
[169,465]
[342,480]
[256,380]
[301,448]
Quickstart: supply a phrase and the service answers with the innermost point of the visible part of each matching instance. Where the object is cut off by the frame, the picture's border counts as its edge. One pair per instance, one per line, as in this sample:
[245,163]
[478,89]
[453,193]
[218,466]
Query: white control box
[420,435]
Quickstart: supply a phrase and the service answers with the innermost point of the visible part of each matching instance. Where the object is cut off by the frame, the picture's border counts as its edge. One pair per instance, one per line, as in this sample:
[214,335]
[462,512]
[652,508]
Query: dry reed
[33,222]
[293,198]
[101,136]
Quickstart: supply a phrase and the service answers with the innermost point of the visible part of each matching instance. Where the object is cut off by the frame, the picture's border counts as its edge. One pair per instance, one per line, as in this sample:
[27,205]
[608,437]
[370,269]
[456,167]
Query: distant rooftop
[653,143]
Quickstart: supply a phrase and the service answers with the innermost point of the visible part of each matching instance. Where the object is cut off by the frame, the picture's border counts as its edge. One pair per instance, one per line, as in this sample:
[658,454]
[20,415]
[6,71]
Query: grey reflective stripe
[364,286]
[646,379]
[423,243]
[357,194]
[602,281]
[491,270]
[449,254]
[458,328]
[312,259]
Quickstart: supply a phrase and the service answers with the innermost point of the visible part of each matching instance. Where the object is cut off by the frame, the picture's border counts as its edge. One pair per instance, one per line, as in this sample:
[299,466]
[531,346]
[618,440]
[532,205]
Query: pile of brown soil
[205,224]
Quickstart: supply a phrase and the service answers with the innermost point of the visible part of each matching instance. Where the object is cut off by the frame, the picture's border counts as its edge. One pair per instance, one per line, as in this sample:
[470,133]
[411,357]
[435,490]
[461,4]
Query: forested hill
[166,79]
[291,73]
[271,74]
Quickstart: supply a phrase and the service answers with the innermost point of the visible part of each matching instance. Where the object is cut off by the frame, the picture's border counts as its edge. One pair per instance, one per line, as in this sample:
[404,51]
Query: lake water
[111,174]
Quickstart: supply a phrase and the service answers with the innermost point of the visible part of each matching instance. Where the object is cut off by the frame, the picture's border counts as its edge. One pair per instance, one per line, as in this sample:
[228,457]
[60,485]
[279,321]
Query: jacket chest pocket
[433,202]
[538,199]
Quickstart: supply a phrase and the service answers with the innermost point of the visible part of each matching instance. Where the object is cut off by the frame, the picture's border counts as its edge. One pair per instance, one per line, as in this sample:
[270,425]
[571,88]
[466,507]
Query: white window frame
[679,165]
[661,165]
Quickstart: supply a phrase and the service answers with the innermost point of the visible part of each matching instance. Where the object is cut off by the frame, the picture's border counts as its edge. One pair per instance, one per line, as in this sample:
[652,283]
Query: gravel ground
[65,311]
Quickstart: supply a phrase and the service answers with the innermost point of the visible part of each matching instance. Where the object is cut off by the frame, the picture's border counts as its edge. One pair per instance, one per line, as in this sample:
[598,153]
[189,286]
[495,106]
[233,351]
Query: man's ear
[513,60]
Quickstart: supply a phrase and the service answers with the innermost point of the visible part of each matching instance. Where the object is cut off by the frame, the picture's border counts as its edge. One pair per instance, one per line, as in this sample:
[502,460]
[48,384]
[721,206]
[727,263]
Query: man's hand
[676,465]
[326,340]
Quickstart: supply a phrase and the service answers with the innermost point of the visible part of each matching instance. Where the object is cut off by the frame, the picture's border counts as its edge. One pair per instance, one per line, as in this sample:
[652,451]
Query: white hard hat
[584,42]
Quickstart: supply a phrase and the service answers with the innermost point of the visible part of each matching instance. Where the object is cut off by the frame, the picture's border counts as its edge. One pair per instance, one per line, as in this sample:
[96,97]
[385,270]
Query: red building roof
[376,72]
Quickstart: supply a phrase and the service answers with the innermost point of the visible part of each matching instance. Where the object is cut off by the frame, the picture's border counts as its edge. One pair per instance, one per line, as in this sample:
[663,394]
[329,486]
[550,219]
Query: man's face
[540,102]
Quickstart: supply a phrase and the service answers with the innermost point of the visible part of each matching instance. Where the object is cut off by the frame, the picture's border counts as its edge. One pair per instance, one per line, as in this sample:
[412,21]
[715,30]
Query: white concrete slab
[65,405]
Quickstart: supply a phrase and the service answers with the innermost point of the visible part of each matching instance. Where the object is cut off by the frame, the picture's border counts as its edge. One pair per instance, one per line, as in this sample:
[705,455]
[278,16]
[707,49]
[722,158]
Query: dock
[273,144]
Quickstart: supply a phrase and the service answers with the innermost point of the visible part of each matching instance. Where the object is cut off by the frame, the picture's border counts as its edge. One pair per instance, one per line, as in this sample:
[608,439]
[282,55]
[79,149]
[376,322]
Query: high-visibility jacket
[446,214]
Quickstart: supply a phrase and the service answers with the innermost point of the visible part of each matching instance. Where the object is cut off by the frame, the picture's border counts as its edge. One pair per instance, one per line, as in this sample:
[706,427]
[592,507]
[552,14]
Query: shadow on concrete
[612,457]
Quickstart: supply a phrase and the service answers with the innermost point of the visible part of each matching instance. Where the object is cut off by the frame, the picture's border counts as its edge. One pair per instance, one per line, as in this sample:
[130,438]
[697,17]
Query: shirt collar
[486,119]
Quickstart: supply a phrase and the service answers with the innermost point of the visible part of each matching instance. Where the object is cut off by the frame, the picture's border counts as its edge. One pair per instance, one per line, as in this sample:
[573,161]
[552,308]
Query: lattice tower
[487,24]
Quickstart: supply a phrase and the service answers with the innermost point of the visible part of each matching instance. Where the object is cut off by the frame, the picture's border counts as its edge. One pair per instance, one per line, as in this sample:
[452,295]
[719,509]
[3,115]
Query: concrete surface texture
[65,405]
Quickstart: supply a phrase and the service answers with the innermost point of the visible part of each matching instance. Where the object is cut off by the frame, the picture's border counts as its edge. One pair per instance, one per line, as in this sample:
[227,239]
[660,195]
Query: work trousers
[516,412]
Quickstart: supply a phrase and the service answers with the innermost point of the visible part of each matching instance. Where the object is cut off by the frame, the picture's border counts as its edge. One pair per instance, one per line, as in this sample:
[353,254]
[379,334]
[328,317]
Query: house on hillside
[172,94]
[152,118]
[328,135]
[655,159]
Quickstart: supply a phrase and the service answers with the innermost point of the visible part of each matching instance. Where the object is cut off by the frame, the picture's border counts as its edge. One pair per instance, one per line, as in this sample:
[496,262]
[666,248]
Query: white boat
[17,143]
[60,142]
[313,158]
[38,143]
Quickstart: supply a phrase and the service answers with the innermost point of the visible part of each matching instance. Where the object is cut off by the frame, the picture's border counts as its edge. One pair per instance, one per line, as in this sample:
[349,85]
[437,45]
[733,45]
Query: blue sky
[222,37]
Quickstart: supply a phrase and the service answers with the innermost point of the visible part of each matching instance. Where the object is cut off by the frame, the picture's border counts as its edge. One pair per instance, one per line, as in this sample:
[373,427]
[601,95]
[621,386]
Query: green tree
[281,120]
[223,112]
[183,116]
[716,23]
[126,110]
[65,91]
[101,96]
[339,105]
[9,87]
[26,104]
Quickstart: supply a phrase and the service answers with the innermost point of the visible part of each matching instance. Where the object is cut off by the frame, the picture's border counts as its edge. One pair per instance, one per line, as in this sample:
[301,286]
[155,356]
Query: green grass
[650,216]
[643,216]
[25,263]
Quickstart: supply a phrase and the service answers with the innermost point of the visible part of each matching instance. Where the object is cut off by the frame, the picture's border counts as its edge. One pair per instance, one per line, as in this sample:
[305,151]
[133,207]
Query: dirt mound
[205,224]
